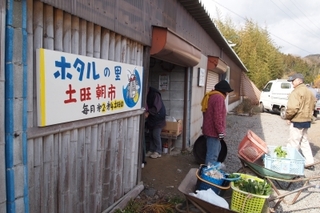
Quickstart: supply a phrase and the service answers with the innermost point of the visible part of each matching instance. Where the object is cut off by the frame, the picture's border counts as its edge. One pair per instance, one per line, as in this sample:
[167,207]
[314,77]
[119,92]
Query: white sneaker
[155,155]
[149,153]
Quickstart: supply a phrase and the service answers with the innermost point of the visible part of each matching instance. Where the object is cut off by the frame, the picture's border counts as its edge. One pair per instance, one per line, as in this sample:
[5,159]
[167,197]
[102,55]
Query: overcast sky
[294,25]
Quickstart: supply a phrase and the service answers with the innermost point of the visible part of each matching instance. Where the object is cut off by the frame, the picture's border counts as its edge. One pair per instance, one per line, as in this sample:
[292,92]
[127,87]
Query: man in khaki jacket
[299,113]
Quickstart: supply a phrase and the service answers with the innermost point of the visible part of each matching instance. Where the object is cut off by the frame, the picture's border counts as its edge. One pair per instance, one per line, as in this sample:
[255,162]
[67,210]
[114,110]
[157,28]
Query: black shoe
[310,168]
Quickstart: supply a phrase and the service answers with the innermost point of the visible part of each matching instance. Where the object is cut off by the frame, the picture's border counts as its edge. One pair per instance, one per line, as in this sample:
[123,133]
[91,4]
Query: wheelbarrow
[275,179]
[188,185]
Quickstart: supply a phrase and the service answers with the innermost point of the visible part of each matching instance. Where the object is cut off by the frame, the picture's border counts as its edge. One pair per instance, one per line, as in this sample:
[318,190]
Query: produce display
[254,186]
[280,152]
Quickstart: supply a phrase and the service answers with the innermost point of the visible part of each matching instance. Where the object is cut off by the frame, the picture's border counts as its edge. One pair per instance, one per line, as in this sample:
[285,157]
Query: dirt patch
[166,173]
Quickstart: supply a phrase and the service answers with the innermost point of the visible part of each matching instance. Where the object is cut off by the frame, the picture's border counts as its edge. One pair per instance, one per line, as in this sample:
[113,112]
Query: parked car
[274,96]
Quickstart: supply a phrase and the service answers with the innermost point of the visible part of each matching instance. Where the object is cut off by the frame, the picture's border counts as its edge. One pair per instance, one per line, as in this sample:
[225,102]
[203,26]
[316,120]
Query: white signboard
[73,87]
[201,77]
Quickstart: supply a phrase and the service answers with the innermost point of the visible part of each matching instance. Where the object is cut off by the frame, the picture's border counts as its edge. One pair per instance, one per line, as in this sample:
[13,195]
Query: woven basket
[245,202]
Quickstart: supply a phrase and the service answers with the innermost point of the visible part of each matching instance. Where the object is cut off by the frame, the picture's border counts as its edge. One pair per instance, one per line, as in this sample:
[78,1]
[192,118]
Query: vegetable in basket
[254,186]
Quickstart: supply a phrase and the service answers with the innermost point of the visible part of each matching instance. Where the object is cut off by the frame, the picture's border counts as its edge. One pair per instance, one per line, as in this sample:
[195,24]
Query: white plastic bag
[171,118]
[211,197]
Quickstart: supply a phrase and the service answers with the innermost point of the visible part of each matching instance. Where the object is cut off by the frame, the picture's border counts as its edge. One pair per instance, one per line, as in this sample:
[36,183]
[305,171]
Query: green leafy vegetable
[280,152]
[254,186]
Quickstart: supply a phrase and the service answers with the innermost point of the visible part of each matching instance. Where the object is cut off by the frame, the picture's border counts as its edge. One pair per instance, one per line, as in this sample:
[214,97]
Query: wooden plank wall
[87,165]
[2,112]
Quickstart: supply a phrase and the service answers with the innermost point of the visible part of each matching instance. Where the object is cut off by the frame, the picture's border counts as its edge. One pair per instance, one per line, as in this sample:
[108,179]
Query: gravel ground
[274,131]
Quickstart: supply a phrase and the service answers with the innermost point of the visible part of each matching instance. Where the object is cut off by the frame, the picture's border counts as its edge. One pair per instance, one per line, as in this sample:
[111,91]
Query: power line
[305,15]
[290,43]
[229,9]
[313,32]
[303,26]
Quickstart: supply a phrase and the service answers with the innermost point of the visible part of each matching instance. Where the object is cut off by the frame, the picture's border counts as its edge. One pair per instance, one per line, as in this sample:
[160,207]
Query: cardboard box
[174,128]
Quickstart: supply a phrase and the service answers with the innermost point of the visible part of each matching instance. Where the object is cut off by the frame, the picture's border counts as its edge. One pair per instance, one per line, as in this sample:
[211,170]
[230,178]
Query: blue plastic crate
[293,163]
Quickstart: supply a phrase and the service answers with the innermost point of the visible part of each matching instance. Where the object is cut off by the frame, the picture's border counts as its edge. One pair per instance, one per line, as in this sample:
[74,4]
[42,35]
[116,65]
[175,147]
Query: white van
[274,96]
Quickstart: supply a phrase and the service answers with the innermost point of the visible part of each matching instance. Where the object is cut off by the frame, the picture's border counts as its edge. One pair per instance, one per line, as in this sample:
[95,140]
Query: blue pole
[9,100]
[25,105]
[10,49]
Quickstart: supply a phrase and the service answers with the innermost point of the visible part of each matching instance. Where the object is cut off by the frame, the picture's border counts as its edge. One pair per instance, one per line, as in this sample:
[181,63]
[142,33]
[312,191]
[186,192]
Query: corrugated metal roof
[198,12]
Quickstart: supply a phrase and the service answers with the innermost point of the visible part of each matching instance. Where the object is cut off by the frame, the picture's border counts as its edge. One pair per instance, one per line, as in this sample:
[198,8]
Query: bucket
[165,150]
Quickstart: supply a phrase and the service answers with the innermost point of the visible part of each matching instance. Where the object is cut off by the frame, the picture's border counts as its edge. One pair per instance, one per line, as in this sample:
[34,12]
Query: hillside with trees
[262,56]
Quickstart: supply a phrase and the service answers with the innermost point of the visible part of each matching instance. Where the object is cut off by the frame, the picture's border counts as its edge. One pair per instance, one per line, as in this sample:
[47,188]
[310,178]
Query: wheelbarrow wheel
[200,150]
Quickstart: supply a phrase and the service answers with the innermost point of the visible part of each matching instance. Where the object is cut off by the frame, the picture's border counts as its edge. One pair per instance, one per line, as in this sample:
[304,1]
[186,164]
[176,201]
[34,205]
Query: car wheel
[261,107]
[283,113]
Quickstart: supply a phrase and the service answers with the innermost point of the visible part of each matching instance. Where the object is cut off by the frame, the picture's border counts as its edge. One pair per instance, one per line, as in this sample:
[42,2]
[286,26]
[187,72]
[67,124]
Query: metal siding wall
[3,198]
[127,13]
[134,18]
[88,165]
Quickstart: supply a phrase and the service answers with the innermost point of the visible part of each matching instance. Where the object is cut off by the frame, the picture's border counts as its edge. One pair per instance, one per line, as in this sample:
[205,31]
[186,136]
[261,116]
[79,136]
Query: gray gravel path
[274,131]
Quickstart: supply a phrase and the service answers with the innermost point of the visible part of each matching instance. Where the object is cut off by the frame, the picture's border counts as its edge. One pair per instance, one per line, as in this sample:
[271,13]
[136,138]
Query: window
[285,85]
[267,88]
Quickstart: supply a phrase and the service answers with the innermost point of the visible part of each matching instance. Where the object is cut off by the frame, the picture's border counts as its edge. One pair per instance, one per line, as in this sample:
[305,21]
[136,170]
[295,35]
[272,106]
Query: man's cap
[223,86]
[294,76]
